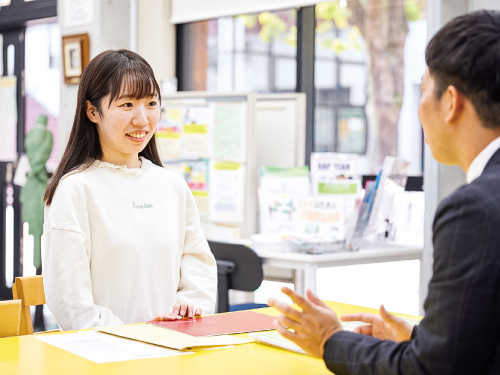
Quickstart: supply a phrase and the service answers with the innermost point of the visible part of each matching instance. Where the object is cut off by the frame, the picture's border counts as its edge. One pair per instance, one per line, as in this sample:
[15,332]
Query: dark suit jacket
[460,333]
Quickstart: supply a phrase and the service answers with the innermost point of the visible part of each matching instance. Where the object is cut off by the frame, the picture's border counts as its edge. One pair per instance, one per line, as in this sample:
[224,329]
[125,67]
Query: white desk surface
[380,252]
[305,265]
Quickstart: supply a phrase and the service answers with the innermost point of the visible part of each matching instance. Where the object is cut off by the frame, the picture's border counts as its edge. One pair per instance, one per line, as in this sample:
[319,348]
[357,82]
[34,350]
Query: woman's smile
[137,136]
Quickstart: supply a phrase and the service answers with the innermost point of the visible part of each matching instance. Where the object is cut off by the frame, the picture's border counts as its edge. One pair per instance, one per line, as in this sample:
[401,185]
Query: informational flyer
[347,190]
[8,119]
[223,232]
[197,122]
[196,176]
[229,131]
[195,173]
[195,141]
[331,167]
[226,191]
[168,132]
[322,216]
[277,212]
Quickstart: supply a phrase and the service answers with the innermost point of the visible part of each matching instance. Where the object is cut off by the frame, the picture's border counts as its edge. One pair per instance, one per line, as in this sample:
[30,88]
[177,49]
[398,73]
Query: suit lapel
[494,160]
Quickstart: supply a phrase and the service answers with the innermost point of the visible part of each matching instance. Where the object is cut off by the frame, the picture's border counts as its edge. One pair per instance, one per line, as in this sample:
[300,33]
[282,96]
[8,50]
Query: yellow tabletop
[27,355]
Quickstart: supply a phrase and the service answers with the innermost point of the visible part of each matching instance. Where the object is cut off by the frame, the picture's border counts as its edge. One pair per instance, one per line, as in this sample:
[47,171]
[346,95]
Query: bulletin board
[209,139]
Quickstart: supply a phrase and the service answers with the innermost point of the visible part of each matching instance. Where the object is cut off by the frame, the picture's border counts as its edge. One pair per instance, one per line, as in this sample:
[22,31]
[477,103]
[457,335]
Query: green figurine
[38,146]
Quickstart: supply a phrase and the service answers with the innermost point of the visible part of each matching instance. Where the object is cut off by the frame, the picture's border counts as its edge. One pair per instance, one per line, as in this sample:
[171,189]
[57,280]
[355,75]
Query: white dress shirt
[479,163]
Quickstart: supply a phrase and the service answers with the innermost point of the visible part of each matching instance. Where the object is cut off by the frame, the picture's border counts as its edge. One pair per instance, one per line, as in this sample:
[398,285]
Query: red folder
[221,324]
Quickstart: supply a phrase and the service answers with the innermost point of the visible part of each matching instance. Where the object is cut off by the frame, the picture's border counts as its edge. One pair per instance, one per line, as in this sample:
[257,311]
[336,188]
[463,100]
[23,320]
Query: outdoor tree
[382,25]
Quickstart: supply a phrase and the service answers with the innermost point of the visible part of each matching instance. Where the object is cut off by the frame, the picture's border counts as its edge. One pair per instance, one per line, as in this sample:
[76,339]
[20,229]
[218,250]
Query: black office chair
[239,268]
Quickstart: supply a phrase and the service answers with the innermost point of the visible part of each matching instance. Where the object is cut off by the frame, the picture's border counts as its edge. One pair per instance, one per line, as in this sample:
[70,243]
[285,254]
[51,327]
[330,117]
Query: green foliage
[329,15]
[332,11]
[413,10]
[272,26]
[249,20]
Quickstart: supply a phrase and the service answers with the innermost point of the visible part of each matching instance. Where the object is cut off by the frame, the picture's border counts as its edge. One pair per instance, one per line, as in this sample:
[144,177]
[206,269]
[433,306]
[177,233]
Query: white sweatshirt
[124,245]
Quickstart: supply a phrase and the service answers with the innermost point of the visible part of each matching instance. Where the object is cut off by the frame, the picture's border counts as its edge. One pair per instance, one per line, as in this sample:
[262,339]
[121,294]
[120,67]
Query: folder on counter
[220,324]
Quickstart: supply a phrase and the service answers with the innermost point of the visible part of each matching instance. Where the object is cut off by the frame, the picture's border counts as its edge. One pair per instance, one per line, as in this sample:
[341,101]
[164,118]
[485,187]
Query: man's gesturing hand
[383,327]
[313,326]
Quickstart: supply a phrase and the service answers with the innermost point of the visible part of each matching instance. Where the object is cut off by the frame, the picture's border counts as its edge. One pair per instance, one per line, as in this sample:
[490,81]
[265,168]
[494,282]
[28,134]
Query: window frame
[305,63]
[20,12]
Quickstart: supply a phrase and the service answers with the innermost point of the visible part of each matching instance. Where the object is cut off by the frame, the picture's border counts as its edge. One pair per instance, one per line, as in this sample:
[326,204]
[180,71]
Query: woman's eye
[127,105]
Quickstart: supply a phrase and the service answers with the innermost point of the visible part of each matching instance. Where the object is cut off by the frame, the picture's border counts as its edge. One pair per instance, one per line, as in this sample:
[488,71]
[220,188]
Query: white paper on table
[8,119]
[100,347]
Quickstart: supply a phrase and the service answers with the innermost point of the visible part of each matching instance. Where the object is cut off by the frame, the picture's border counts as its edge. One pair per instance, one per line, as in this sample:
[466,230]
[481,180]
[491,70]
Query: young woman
[123,242]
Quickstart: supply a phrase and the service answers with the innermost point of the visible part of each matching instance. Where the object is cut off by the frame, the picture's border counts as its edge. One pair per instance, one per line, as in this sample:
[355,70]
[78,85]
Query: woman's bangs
[136,83]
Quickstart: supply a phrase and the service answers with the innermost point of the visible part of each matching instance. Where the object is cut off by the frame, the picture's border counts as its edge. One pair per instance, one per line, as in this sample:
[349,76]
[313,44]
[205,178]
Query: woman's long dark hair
[109,73]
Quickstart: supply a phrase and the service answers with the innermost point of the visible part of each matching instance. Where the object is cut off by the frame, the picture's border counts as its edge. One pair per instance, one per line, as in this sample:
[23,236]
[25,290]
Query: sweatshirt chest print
[141,206]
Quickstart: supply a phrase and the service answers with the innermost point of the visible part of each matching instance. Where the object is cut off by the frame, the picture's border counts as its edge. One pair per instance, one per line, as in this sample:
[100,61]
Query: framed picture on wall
[75,50]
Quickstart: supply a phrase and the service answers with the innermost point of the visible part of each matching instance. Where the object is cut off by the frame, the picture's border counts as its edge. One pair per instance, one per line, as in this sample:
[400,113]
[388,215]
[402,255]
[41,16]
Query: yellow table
[26,355]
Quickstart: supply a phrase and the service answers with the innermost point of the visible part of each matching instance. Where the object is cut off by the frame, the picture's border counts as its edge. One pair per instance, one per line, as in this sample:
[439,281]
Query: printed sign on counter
[302,215]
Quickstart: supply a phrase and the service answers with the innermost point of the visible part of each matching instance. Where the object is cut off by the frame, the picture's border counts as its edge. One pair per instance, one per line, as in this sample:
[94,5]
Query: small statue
[38,145]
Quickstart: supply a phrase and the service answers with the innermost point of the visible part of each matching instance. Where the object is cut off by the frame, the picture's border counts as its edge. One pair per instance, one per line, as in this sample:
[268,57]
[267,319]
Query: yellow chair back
[29,290]
[10,318]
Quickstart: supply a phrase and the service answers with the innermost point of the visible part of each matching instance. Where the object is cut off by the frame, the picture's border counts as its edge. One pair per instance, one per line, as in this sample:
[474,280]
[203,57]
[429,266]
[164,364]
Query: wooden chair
[10,318]
[29,290]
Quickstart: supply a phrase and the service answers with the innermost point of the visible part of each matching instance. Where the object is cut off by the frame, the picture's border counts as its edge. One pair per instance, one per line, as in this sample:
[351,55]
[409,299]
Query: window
[253,52]
[42,80]
[368,62]
[340,83]
[376,54]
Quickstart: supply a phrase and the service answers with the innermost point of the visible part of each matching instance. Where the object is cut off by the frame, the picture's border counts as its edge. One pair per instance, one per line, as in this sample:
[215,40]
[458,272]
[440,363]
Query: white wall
[484,4]
[409,129]
[108,29]
[156,36]
[113,27]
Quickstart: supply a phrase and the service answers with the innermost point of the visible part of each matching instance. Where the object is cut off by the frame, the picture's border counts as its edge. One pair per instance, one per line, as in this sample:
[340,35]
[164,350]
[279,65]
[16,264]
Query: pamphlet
[220,324]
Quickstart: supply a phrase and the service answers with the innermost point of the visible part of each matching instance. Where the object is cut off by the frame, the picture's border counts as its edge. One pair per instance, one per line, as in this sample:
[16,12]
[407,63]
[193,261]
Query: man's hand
[180,311]
[383,327]
[313,326]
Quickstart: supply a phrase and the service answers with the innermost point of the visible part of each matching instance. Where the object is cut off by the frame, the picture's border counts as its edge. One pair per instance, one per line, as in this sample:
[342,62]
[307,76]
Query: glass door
[11,121]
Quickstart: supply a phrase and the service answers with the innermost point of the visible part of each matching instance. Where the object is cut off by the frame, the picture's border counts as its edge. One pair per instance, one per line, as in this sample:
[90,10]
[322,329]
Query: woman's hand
[167,317]
[383,327]
[180,311]
[185,310]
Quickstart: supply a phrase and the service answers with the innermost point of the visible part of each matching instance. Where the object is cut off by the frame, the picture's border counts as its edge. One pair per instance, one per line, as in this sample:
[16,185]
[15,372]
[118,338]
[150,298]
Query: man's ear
[454,104]
[91,112]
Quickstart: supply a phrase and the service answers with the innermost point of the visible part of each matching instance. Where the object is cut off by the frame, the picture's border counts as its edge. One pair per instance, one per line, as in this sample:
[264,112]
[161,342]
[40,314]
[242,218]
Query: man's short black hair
[465,53]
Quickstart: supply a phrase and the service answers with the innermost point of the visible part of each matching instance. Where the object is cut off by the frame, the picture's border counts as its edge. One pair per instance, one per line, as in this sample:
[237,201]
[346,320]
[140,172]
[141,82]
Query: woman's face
[126,125]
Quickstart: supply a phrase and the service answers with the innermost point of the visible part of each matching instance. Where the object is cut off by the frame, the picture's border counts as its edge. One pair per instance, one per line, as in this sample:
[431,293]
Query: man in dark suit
[460,333]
